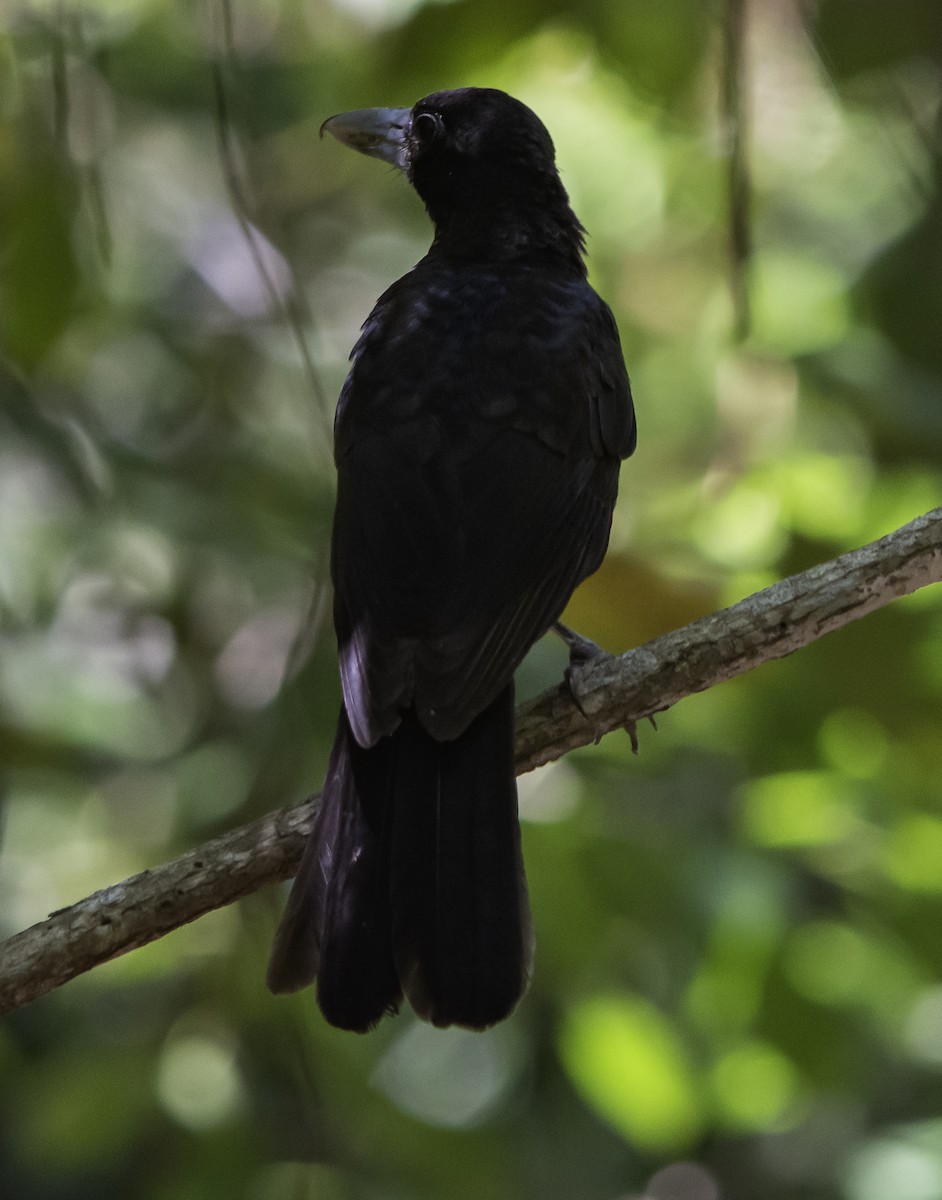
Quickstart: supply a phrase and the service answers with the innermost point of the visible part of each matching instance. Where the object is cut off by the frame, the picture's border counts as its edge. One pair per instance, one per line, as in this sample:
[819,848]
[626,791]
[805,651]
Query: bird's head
[478,158]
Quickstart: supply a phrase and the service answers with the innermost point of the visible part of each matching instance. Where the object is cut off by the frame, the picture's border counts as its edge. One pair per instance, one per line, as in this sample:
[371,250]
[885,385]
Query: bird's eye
[426,127]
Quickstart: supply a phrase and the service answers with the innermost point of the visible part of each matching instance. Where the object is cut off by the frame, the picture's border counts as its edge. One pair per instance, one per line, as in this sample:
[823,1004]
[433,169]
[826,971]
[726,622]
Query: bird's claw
[631,728]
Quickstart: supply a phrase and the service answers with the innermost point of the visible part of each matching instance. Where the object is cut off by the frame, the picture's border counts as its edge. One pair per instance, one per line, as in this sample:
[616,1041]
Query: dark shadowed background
[738,990]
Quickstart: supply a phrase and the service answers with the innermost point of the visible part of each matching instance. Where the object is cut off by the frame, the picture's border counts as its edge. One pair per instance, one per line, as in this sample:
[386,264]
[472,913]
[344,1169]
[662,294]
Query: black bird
[477,443]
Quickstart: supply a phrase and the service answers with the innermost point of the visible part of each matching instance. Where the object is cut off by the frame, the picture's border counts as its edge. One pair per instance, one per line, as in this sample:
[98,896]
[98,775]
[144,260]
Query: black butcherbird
[477,442]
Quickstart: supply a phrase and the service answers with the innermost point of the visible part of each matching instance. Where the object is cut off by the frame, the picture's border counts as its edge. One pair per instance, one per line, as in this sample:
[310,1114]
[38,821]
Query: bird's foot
[582,653]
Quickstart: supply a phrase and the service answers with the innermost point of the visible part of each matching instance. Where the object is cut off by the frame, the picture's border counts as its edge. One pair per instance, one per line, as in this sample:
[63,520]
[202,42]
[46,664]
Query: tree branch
[614,693]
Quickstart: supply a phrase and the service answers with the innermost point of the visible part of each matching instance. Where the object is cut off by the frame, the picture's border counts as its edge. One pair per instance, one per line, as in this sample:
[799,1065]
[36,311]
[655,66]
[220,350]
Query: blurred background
[738,988]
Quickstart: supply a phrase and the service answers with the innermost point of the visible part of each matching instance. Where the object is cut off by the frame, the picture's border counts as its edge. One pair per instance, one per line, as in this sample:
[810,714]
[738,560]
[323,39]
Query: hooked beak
[378,132]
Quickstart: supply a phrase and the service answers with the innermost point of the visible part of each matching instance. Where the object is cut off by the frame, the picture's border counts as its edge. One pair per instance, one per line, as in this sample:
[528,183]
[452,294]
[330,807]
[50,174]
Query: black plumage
[477,441]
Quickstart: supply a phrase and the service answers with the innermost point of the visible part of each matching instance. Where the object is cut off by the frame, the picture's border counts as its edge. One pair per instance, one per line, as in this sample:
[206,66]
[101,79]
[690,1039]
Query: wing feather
[475,488]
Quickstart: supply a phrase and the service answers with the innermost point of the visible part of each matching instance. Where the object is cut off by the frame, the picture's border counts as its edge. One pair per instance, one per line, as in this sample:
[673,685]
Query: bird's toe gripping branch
[583,653]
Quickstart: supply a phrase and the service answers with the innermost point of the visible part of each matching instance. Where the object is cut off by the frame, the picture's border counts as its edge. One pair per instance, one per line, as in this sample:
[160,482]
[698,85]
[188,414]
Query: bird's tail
[461,934]
[336,924]
[412,881]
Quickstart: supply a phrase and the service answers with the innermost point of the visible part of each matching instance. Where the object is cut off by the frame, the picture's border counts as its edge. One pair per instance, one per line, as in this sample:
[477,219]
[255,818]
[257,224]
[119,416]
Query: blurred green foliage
[738,989]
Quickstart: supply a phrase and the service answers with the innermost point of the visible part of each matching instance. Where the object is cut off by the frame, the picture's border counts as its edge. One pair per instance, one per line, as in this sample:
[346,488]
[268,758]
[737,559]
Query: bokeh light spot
[798,808]
[451,1078]
[913,858]
[198,1082]
[627,1060]
[755,1086]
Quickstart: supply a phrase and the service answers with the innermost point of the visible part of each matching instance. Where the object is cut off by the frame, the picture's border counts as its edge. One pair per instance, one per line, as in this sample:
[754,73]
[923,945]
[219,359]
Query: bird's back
[478,440]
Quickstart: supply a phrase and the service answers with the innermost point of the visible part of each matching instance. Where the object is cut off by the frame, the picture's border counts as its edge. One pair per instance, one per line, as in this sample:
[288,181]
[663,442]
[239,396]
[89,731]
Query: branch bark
[614,692]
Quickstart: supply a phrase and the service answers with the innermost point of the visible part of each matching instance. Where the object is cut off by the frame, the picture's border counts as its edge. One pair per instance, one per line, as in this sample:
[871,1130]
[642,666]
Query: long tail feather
[336,925]
[461,931]
[413,880]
